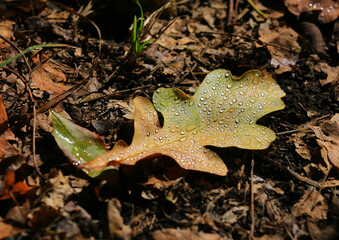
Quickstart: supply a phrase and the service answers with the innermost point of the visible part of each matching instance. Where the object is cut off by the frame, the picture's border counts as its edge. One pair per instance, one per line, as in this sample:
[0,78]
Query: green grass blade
[4,63]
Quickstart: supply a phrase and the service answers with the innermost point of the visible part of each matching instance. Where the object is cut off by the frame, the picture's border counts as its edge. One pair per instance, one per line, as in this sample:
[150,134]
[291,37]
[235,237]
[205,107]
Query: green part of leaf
[224,110]
[4,63]
[79,144]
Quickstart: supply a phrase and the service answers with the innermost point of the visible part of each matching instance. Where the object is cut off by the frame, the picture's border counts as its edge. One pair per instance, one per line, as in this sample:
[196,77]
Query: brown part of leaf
[328,9]
[183,234]
[56,191]
[332,73]
[315,38]
[301,149]
[318,232]
[7,230]
[6,31]
[284,37]
[118,230]
[330,140]
[222,113]
[47,77]
[43,216]
[6,149]
[11,187]
[313,204]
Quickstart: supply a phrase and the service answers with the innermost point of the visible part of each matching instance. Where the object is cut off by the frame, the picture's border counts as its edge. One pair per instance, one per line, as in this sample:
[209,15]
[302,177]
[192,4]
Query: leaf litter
[293,197]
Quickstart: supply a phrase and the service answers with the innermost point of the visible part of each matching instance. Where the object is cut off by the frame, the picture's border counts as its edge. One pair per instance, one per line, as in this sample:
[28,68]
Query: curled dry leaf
[222,113]
[6,149]
[329,142]
[284,37]
[329,9]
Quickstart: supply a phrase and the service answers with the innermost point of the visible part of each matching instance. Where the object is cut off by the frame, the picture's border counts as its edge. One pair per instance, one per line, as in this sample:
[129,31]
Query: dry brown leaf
[187,234]
[329,9]
[301,149]
[233,215]
[6,149]
[7,230]
[320,232]
[47,78]
[6,31]
[56,191]
[116,226]
[329,141]
[285,37]
[313,204]
[332,73]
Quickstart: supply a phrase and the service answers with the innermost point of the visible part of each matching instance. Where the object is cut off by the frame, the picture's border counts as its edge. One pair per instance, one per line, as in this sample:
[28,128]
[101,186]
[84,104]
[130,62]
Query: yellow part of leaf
[222,113]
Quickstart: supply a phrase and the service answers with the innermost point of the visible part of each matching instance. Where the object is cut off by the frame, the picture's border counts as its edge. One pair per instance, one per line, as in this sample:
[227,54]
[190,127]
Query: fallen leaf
[7,230]
[233,215]
[315,38]
[11,188]
[6,31]
[48,78]
[329,141]
[301,149]
[56,191]
[222,113]
[183,234]
[284,37]
[313,204]
[6,149]
[322,231]
[332,73]
[328,9]
[116,226]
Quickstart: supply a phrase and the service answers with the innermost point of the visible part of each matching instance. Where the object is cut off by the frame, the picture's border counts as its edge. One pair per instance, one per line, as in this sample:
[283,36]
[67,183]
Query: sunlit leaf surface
[222,113]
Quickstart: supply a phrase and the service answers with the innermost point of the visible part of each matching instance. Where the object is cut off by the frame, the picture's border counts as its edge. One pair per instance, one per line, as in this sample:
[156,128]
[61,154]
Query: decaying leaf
[329,142]
[285,37]
[6,149]
[329,9]
[48,78]
[183,234]
[222,113]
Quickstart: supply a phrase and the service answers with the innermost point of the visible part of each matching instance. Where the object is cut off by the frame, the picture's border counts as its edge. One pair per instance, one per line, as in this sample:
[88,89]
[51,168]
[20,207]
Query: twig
[115,94]
[230,12]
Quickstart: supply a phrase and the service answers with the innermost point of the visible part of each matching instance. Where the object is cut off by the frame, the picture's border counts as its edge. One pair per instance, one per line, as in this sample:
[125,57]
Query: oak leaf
[222,113]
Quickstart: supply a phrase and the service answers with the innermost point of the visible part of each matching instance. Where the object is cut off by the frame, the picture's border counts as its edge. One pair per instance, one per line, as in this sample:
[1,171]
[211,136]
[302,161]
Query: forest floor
[288,191]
